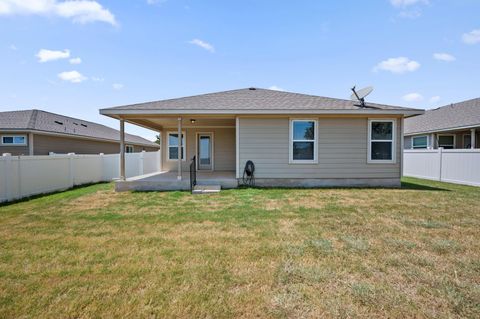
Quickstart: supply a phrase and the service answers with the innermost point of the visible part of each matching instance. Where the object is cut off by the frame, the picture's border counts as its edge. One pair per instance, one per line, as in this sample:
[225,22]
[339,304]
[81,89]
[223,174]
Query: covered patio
[166,180]
[203,143]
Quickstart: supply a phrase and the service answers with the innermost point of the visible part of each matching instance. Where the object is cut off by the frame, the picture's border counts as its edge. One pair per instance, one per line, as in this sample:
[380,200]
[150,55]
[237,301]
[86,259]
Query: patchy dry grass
[276,253]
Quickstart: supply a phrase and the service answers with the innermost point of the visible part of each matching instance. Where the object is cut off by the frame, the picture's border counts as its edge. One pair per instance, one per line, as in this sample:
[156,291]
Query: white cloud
[413,97]
[410,14]
[472,37]
[13,47]
[397,65]
[97,79]
[4,8]
[276,88]
[72,76]
[444,57]
[410,8]
[80,11]
[434,99]
[156,1]
[117,86]
[45,55]
[406,3]
[85,11]
[25,6]
[75,61]
[204,45]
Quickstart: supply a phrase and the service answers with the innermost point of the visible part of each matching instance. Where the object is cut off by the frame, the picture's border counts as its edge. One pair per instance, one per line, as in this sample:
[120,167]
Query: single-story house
[452,126]
[36,132]
[293,139]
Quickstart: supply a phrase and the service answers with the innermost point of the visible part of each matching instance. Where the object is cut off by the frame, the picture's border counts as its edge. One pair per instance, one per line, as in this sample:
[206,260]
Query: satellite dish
[361,94]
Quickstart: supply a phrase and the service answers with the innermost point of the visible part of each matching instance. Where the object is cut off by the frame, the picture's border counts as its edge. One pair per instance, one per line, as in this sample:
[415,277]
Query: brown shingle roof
[50,122]
[253,99]
[463,114]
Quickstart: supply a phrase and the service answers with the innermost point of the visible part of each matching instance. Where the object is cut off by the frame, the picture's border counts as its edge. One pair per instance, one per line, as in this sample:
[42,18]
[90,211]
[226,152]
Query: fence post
[19,176]
[141,163]
[71,173]
[102,164]
[8,176]
[440,154]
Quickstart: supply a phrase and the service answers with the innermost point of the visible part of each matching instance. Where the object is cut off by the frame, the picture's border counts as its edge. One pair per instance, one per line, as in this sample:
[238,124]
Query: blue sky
[75,57]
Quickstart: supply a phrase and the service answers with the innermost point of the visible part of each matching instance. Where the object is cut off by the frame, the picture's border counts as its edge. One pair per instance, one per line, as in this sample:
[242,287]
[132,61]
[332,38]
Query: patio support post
[472,138]
[180,139]
[30,144]
[237,147]
[122,149]
[402,132]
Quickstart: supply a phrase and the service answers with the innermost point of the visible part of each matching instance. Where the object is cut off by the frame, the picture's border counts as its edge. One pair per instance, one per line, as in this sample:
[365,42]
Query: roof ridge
[457,103]
[33,119]
[89,122]
[183,97]
[73,118]
[36,111]
[33,115]
[450,116]
[331,98]
[368,104]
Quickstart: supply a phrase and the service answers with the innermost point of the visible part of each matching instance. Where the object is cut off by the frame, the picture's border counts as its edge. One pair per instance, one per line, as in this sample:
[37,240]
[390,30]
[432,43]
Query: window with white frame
[381,141]
[420,142]
[303,141]
[173,146]
[14,139]
[446,141]
[129,149]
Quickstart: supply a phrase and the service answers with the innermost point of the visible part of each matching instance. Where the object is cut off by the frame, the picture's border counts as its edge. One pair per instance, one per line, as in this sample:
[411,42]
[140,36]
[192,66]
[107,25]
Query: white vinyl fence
[23,176]
[453,166]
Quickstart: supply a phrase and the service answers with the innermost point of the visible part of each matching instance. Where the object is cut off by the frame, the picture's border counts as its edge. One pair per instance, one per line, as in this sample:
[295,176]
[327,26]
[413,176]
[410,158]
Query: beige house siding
[15,150]
[342,150]
[223,147]
[44,144]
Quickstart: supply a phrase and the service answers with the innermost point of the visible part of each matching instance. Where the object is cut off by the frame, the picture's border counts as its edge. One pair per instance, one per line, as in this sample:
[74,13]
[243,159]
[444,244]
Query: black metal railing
[193,174]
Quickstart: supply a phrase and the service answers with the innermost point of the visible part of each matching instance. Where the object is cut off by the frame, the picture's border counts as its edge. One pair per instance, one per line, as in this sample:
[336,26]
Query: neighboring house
[36,132]
[293,139]
[451,126]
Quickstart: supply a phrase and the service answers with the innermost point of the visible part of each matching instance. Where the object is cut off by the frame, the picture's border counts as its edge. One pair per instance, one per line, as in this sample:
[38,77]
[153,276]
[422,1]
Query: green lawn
[276,253]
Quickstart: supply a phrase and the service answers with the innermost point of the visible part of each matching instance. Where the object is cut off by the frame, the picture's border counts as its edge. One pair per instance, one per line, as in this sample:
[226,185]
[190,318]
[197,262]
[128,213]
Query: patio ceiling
[159,123]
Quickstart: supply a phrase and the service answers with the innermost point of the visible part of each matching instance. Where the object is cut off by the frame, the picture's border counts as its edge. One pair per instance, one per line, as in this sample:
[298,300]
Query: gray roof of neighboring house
[251,100]
[38,120]
[463,114]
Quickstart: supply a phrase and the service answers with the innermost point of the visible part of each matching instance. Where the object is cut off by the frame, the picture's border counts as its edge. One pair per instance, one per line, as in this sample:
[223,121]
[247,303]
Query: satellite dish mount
[361,94]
